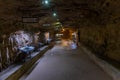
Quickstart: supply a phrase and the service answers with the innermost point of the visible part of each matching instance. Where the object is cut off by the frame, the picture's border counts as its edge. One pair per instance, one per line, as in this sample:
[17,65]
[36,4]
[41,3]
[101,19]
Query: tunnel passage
[97,23]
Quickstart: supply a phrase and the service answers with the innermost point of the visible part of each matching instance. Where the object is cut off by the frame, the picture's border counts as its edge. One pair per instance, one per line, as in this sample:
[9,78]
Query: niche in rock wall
[20,38]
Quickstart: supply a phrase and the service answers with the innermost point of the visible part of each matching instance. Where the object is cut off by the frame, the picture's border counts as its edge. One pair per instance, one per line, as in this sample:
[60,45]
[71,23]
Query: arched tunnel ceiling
[70,12]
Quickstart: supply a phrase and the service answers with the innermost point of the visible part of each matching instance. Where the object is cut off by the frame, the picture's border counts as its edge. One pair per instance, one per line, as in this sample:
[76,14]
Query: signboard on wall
[46,25]
[30,19]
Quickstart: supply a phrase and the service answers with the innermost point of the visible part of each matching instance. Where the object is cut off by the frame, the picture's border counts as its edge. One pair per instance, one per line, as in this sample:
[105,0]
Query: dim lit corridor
[59,39]
[64,63]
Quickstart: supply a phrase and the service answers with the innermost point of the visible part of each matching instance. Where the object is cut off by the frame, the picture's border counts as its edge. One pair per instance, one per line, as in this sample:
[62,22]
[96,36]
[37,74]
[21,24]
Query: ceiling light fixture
[54,14]
[45,2]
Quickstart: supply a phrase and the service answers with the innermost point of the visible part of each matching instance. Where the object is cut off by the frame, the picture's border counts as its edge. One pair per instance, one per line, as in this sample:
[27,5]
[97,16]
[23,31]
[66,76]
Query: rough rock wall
[104,41]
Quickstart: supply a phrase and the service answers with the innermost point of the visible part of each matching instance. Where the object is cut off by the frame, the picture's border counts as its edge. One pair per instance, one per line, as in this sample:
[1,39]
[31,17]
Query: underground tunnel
[60,25]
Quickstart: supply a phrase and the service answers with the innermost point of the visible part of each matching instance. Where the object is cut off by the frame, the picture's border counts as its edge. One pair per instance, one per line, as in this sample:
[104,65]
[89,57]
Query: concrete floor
[64,63]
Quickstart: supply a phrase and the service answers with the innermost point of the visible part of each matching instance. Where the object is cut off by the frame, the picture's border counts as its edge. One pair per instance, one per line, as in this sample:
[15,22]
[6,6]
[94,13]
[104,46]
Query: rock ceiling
[70,12]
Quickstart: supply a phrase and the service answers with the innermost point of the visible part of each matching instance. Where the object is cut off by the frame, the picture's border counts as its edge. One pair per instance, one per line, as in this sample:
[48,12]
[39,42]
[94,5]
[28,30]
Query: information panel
[30,19]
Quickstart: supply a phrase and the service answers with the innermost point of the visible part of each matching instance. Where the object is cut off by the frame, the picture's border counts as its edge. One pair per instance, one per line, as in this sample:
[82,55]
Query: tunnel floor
[64,63]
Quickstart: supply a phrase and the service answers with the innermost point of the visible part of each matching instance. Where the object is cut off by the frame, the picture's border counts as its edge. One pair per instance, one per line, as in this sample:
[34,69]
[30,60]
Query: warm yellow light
[63,29]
